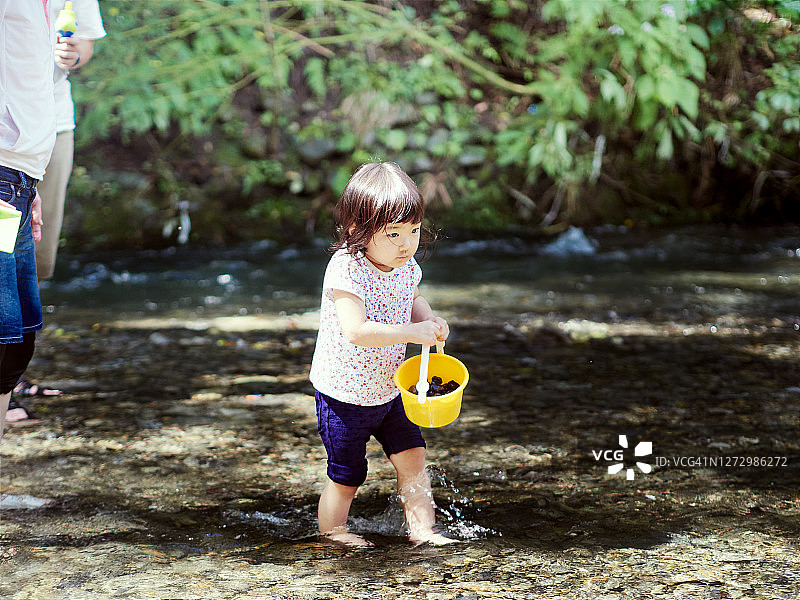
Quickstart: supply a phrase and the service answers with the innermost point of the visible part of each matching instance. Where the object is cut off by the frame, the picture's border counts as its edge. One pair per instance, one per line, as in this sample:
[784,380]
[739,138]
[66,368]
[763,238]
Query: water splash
[453,513]
[389,523]
[287,523]
[454,506]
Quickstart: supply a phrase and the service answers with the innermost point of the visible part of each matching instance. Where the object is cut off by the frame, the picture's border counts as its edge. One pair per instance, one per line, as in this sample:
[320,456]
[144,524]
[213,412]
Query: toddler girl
[371,308]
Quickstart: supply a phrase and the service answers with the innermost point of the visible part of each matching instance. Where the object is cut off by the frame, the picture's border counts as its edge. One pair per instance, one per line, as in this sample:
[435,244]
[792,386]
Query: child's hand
[427,333]
[444,331]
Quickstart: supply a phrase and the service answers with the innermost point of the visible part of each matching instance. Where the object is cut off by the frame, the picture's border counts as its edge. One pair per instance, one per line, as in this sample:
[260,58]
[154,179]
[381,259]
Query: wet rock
[419,164]
[159,339]
[473,156]
[439,137]
[573,242]
[23,502]
[314,151]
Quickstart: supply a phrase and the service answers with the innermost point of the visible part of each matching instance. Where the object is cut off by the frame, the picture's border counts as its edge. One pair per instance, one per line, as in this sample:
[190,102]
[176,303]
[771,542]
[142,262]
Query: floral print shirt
[357,374]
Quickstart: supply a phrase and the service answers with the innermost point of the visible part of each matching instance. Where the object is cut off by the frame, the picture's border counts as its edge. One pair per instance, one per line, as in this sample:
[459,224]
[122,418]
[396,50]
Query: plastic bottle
[65,23]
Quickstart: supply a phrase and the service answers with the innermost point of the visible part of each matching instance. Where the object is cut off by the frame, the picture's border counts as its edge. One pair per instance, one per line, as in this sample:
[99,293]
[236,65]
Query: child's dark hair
[377,195]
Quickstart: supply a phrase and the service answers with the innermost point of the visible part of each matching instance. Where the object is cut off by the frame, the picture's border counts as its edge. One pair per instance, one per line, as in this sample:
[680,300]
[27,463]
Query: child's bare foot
[432,538]
[342,536]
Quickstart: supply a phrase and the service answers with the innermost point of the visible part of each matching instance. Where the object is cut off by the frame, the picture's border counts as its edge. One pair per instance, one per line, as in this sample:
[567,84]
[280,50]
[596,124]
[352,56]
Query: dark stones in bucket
[437,388]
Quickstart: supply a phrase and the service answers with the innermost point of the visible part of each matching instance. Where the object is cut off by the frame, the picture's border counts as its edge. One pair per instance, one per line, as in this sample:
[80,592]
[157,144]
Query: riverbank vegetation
[231,120]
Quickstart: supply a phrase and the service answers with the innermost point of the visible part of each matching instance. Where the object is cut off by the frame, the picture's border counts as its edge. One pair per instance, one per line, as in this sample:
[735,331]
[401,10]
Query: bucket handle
[422,382]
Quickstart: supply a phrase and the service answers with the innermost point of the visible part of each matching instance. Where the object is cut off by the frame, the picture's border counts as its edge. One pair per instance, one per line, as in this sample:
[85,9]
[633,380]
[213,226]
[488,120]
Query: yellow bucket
[437,411]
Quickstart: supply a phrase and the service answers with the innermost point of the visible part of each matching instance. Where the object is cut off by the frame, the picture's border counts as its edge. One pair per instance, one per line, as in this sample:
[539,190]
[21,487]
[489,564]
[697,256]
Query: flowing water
[608,274]
[185,443]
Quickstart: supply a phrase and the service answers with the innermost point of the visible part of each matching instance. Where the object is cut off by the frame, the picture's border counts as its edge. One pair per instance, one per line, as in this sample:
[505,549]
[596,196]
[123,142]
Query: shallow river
[182,460]
[609,274]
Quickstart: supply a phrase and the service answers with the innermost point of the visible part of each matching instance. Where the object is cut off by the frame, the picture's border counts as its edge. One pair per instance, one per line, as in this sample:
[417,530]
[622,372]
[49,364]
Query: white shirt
[357,374]
[27,107]
[88,26]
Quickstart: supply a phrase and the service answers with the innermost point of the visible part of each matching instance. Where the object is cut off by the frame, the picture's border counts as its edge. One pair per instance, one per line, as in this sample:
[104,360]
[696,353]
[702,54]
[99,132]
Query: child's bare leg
[414,487]
[334,507]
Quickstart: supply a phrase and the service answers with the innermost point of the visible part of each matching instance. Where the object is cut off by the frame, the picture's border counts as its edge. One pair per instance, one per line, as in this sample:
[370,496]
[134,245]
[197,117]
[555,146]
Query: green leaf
[580,102]
[762,121]
[315,76]
[340,179]
[347,142]
[666,91]
[161,111]
[687,97]
[560,135]
[612,91]
[396,139]
[665,149]
[698,35]
[689,129]
[646,115]
[512,147]
[791,125]
[645,87]
[536,154]
[781,101]
[431,113]
[695,62]
[716,130]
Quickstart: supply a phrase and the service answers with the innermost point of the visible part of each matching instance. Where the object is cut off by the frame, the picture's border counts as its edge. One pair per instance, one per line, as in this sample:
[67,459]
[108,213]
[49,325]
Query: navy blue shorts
[346,428]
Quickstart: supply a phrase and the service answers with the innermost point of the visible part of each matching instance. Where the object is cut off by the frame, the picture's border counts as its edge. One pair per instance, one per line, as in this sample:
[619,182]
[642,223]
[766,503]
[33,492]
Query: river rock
[314,151]
[571,243]
[473,156]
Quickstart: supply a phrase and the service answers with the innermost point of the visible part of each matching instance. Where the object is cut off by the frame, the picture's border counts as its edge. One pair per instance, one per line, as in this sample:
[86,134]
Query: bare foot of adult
[27,388]
[16,412]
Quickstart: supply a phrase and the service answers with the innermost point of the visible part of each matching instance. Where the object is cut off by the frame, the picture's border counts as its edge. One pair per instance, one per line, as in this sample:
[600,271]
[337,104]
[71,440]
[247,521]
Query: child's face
[391,247]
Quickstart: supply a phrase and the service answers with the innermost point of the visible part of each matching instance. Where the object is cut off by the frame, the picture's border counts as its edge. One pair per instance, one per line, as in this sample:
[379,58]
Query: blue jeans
[20,306]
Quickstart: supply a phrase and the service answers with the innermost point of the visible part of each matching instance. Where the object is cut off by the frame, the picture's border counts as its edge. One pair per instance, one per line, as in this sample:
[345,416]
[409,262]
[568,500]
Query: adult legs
[53,191]
[20,306]
[4,400]
[14,359]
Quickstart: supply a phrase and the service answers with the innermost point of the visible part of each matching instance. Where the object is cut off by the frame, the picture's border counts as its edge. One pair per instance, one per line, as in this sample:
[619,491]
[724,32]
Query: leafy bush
[505,111]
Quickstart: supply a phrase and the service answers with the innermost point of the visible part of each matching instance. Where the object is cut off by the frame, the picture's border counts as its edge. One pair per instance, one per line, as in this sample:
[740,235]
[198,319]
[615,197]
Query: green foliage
[756,127]
[533,105]
[256,172]
[645,61]
[779,106]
